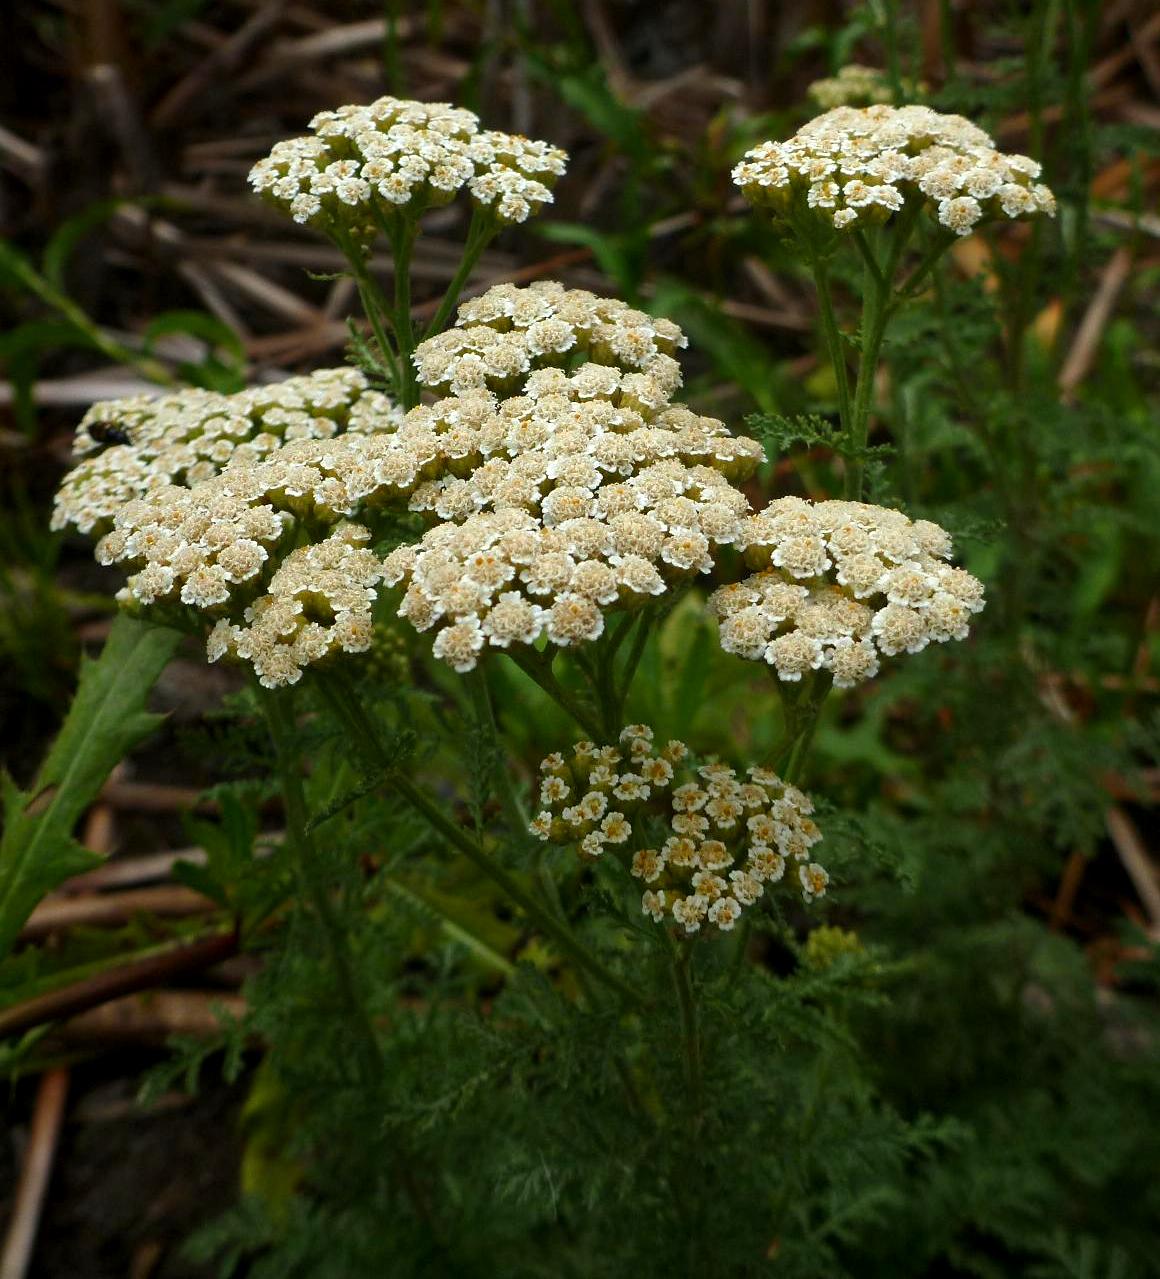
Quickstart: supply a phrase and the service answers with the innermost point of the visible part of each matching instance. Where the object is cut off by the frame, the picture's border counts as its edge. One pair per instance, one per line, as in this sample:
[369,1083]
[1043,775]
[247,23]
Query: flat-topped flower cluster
[856,166]
[704,842]
[839,584]
[132,445]
[508,331]
[588,490]
[393,155]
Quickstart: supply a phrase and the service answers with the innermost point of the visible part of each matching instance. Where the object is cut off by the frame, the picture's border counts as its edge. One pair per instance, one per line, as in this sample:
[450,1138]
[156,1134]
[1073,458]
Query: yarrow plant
[887,178]
[854,167]
[521,484]
[377,169]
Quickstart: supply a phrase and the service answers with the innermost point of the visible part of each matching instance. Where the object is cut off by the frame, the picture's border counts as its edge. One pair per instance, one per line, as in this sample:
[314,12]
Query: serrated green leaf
[107,718]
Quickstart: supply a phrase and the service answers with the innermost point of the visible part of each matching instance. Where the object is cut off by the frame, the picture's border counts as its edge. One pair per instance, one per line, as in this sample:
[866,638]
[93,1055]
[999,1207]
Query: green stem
[890,40]
[279,713]
[374,304]
[402,245]
[485,715]
[690,1034]
[537,667]
[803,710]
[869,261]
[353,715]
[833,335]
[640,639]
[62,303]
[479,235]
[876,310]
[562,936]
[873,325]
[370,296]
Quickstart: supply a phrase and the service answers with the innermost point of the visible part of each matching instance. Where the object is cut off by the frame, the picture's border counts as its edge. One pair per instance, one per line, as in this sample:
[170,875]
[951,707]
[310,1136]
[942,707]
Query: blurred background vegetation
[991,810]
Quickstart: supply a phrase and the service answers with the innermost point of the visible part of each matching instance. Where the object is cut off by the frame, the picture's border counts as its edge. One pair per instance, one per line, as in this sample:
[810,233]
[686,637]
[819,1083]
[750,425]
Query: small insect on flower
[109,433]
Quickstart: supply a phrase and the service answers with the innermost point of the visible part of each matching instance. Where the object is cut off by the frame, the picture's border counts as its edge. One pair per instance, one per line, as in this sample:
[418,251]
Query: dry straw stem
[153,1017]
[47,1121]
[1086,343]
[136,973]
[55,914]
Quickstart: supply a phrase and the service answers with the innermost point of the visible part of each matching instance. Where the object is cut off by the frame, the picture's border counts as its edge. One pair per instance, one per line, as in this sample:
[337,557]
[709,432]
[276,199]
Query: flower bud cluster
[703,842]
[505,333]
[854,86]
[856,166]
[839,584]
[132,445]
[397,155]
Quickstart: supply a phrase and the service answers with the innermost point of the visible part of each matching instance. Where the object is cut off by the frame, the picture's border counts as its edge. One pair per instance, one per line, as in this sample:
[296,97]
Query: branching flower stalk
[350,712]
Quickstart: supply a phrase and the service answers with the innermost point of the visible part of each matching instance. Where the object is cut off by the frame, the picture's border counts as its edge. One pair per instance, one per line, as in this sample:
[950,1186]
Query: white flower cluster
[130,446]
[400,155]
[703,842]
[853,86]
[841,583]
[589,490]
[855,166]
[318,602]
[505,333]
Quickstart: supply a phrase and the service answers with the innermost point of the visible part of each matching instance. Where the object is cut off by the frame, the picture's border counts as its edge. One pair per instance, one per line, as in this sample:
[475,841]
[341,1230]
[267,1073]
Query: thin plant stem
[873,325]
[690,1033]
[479,235]
[402,244]
[367,292]
[538,668]
[485,715]
[640,639]
[695,1088]
[36,283]
[279,714]
[354,717]
[890,40]
[833,335]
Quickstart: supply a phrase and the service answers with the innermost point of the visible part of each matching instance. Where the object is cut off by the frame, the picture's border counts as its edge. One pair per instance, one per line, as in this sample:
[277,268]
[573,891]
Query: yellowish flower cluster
[508,331]
[363,161]
[839,584]
[855,166]
[853,86]
[132,445]
[318,602]
[703,842]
